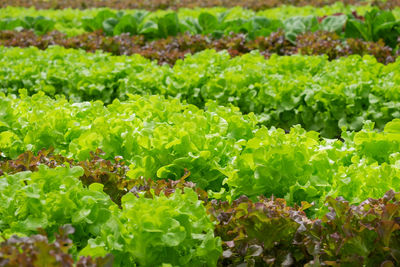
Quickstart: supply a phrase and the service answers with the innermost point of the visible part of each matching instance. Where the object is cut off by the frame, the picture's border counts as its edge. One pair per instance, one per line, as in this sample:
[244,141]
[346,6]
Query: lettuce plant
[50,198]
[172,230]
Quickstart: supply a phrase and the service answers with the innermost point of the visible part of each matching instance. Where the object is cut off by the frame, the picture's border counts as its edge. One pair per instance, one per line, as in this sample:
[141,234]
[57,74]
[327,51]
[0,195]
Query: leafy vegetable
[175,228]
[173,48]
[220,147]
[36,250]
[333,23]
[378,24]
[268,232]
[70,21]
[112,175]
[206,23]
[181,234]
[371,228]
[319,94]
[296,25]
[50,198]
[40,24]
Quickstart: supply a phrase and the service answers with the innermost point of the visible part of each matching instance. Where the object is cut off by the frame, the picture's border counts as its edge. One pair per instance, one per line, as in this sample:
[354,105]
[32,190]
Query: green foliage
[319,94]
[67,71]
[174,230]
[156,215]
[280,163]
[298,166]
[222,149]
[334,23]
[40,24]
[155,229]
[226,150]
[297,25]
[159,137]
[378,24]
[96,23]
[379,146]
[50,198]
[170,24]
[71,21]
[129,24]
[96,170]
[206,23]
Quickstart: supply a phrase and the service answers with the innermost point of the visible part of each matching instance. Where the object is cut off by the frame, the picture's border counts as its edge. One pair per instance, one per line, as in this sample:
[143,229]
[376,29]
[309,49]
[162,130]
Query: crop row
[152,26]
[74,22]
[120,161]
[225,151]
[319,94]
[164,224]
[170,49]
[377,24]
[163,4]
[73,18]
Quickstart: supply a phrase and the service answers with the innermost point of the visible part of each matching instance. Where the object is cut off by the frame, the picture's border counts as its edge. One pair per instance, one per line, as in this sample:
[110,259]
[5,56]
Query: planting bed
[212,133]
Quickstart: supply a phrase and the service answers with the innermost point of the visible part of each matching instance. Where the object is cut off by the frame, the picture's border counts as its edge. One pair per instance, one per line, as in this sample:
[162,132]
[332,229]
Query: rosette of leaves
[111,174]
[265,167]
[159,230]
[315,169]
[50,198]
[259,233]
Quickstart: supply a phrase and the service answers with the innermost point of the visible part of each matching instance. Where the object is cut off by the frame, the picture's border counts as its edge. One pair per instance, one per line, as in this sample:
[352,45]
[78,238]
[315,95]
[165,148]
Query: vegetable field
[199,133]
